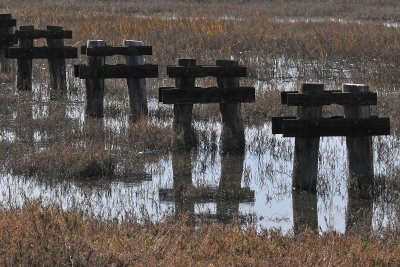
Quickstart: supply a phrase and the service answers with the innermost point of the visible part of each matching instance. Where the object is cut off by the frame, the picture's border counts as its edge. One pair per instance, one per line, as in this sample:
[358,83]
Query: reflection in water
[230,186]
[204,179]
[359,213]
[305,212]
[227,196]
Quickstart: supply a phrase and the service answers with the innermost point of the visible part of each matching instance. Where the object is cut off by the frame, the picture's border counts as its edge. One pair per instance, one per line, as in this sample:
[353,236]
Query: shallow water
[261,176]
[265,169]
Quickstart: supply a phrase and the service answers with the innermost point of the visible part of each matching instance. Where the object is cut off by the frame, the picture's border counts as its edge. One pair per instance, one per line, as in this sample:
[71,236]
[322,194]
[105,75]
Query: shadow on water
[227,195]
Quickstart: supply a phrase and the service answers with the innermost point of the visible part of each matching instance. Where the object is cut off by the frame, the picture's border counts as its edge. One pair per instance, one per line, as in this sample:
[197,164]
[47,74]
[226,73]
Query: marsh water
[259,180]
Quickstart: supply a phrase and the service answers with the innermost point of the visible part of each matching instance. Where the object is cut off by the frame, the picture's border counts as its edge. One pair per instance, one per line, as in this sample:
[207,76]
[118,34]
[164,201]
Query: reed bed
[291,41]
[50,236]
[358,49]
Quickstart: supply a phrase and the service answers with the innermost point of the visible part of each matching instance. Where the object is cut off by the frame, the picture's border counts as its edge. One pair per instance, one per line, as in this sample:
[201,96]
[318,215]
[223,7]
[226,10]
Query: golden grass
[206,31]
[48,236]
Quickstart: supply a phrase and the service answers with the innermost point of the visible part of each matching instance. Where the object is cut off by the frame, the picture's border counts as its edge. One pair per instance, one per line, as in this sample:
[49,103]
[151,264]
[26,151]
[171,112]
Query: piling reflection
[359,213]
[227,196]
[305,211]
[231,192]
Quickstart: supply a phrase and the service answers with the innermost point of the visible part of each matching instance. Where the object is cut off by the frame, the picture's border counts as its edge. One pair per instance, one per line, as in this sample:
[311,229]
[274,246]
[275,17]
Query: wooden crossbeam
[209,194]
[116,71]
[117,50]
[207,95]
[43,52]
[328,98]
[7,39]
[334,126]
[277,123]
[205,71]
[37,34]
[5,17]
[8,23]
[284,95]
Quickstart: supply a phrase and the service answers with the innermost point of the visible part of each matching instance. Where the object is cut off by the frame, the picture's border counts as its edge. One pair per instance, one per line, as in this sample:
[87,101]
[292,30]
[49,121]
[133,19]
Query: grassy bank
[35,236]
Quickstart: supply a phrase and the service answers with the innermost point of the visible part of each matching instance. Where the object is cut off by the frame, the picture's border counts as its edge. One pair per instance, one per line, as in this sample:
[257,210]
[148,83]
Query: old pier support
[97,71]
[182,123]
[6,39]
[357,125]
[24,65]
[95,86]
[305,162]
[57,67]
[228,94]
[136,86]
[359,148]
[232,123]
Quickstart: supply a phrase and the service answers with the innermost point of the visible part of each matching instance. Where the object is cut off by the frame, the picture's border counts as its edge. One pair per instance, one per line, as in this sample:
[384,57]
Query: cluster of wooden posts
[7,39]
[357,125]
[228,91]
[228,94]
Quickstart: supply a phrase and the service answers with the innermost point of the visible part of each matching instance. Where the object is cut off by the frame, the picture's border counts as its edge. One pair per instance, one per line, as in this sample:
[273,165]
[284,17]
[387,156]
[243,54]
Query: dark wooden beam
[329,98]
[335,126]
[117,50]
[8,23]
[284,95]
[160,92]
[209,194]
[116,71]
[207,95]
[43,52]
[277,123]
[205,71]
[37,34]
[8,39]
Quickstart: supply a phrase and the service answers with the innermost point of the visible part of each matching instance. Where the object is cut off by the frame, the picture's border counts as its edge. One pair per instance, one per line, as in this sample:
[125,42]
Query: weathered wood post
[24,65]
[136,87]
[57,65]
[305,162]
[182,123]
[95,87]
[232,123]
[6,29]
[359,148]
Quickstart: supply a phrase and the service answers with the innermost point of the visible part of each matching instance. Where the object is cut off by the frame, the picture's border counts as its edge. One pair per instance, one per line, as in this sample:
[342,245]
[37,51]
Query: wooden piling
[5,30]
[182,123]
[95,87]
[24,65]
[57,65]
[136,87]
[305,162]
[232,123]
[359,148]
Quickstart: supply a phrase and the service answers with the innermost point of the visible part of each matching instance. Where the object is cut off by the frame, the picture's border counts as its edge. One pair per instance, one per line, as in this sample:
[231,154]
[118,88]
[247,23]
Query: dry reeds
[49,236]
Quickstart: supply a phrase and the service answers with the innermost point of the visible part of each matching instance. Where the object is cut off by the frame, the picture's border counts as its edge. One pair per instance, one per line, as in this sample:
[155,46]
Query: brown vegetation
[48,236]
[261,36]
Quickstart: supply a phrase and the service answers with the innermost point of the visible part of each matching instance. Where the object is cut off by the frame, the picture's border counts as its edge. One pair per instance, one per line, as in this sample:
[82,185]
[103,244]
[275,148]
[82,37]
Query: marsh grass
[263,37]
[49,236]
